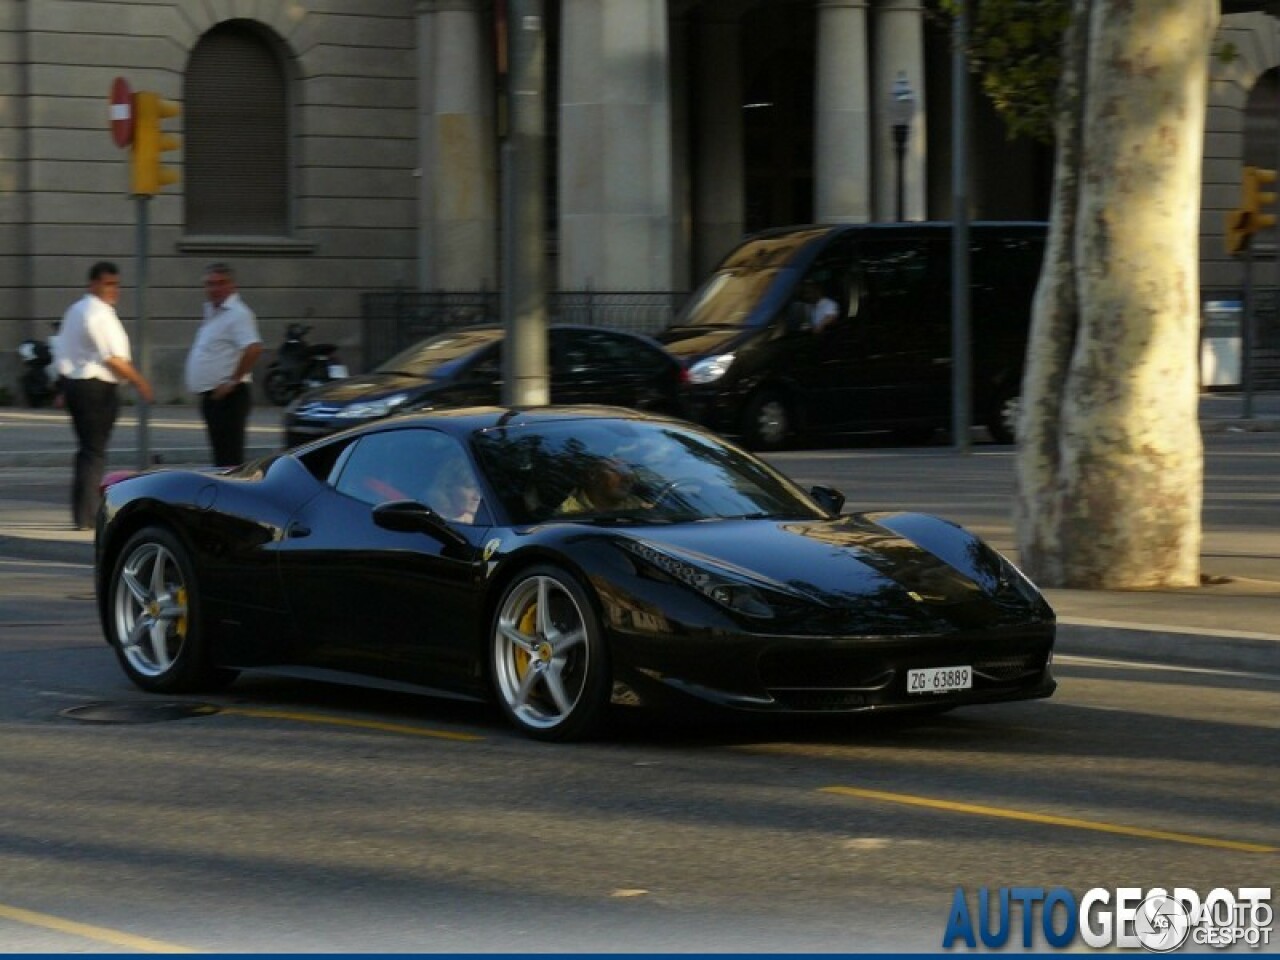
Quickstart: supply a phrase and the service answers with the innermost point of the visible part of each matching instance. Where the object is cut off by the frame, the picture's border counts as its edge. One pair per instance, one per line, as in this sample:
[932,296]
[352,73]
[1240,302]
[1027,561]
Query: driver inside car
[609,485]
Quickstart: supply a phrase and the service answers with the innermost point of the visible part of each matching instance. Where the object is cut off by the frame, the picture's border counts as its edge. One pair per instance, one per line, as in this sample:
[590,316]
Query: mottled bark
[1110,458]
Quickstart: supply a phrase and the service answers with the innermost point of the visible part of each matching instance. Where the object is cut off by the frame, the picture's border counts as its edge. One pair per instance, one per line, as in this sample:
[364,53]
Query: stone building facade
[334,147]
[344,78]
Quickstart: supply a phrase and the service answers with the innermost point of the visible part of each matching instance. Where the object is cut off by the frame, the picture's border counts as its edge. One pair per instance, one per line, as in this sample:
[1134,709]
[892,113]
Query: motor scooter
[299,366]
[39,380]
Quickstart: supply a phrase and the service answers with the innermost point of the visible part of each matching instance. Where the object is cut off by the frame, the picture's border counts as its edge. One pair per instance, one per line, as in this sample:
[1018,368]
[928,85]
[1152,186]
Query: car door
[592,365]
[887,360]
[389,603]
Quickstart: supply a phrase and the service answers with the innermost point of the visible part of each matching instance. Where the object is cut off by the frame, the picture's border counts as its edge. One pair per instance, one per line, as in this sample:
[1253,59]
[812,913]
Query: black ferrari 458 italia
[558,559]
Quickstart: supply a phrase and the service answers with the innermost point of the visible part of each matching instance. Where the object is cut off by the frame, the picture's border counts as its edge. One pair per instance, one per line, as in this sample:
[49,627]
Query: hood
[694,343]
[853,574]
[365,387]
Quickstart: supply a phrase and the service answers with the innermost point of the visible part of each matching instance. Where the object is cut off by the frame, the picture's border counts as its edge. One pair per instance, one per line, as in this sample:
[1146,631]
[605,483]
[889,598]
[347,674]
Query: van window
[905,282]
[1005,270]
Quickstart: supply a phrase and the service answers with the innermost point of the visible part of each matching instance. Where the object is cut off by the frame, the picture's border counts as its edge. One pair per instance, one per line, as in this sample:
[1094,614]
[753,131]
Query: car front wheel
[768,423]
[153,618]
[550,667]
[1002,421]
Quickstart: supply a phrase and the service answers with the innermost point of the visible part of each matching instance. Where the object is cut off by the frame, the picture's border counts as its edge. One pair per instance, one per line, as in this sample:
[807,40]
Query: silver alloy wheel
[541,653]
[149,609]
[1009,413]
[771,422]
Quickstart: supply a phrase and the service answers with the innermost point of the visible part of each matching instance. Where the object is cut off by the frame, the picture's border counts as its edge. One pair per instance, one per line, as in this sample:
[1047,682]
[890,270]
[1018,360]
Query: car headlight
[710,369]
[372,409]
[732,594]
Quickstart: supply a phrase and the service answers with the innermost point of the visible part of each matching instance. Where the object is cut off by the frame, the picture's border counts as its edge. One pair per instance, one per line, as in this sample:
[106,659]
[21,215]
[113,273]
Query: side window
[827,292]
[905,284]
[422,465]
[487,368]
[1005,271]
[605,352]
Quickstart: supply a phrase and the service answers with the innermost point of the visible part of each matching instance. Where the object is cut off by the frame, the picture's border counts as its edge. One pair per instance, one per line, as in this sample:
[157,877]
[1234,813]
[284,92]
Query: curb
[1239,426]
[1193,649]
[124,459]
[51,551]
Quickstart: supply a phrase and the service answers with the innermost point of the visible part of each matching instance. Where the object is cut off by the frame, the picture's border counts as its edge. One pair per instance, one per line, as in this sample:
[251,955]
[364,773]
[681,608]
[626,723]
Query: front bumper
[840,674]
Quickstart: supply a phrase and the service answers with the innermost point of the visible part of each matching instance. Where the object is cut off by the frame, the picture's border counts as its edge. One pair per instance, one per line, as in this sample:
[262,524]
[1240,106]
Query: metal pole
[961,396]
[142,351]
[1247,334]
[899,159]
[524,243]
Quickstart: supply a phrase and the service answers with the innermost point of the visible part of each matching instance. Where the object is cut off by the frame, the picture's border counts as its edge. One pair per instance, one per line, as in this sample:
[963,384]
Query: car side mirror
[829,498]
[410,516]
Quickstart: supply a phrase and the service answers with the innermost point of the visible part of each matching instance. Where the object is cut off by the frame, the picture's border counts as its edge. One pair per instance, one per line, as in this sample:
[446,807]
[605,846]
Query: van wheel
[768,423]
[1002,420]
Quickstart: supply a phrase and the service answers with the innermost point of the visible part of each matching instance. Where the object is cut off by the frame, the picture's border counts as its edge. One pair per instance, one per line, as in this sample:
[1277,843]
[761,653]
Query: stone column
[426,20]
[842,155]
[719,214]
[459,153]
[899,48]
[615,158]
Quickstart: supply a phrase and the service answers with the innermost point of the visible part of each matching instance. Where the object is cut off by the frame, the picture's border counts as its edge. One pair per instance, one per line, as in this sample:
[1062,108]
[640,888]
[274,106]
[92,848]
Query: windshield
[728,296]
[629,471]
[424,357]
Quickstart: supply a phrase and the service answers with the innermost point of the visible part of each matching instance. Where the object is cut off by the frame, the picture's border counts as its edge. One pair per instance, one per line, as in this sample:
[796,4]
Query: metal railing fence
[393,320]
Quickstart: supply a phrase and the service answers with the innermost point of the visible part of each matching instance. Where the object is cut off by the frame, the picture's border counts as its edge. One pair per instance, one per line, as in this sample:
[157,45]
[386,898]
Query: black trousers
[93,405]
[226,420]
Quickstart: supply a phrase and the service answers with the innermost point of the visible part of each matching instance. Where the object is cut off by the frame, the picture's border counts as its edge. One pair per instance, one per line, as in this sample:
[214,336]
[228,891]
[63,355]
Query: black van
[847,327]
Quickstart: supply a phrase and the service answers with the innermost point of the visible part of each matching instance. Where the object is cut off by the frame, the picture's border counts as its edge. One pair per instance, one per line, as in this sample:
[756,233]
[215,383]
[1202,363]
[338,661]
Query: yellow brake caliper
[529,627]
[181,627]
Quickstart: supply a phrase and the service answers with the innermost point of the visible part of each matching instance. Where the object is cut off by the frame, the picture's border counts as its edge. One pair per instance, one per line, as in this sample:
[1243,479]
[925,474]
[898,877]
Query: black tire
[153,617]
[277,388]
[768,422]
[1002,418]
[547,656]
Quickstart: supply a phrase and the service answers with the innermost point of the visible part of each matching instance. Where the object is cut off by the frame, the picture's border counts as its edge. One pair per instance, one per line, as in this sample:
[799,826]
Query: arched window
[236,146]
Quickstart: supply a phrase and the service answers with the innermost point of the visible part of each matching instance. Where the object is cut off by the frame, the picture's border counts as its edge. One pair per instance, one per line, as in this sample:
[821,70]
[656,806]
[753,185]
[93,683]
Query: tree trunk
[1110,459]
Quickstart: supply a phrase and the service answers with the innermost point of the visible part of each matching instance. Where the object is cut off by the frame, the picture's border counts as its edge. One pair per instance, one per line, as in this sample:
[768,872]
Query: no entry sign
[121,112]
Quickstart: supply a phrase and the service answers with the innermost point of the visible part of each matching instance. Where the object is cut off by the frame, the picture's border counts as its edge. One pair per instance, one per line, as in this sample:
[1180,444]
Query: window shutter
[236,148]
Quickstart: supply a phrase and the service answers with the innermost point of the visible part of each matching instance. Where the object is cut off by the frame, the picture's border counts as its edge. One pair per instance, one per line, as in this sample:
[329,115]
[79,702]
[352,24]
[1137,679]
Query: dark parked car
[760,369]
[557,559]
[464,368]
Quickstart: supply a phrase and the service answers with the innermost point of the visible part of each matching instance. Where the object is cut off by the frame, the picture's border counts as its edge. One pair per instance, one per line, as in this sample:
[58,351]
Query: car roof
[466,420]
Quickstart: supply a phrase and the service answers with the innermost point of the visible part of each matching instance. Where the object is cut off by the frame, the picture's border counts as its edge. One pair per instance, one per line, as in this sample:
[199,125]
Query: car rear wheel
[153,617]
[277,388]
[1002,421]
[550,666]
[768,423]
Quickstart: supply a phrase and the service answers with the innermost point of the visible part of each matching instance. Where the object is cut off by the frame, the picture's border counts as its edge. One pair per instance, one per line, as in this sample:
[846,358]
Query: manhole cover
[143,711]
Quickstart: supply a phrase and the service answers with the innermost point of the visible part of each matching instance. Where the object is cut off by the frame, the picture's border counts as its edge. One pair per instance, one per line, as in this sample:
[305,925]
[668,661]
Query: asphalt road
[289,816]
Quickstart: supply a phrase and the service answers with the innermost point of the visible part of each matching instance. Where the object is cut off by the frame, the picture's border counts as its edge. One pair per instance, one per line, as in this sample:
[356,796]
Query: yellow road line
[1050,819]
[263,714]
[90,932]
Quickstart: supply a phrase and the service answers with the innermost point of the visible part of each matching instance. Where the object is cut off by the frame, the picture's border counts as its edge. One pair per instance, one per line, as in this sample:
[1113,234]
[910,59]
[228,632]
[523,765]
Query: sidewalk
[1231,623]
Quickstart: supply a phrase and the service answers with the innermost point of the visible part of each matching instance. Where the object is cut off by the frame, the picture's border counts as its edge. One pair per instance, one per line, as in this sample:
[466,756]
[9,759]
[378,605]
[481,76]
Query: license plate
[939,679]
[337,370]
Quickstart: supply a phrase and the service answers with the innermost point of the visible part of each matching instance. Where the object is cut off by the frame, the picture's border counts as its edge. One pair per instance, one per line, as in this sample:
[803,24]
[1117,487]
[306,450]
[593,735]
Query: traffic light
[1249,218]
[147,173]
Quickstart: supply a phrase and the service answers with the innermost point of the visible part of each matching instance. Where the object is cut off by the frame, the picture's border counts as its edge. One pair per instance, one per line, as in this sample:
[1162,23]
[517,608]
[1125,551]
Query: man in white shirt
[92,357]
[226,347]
